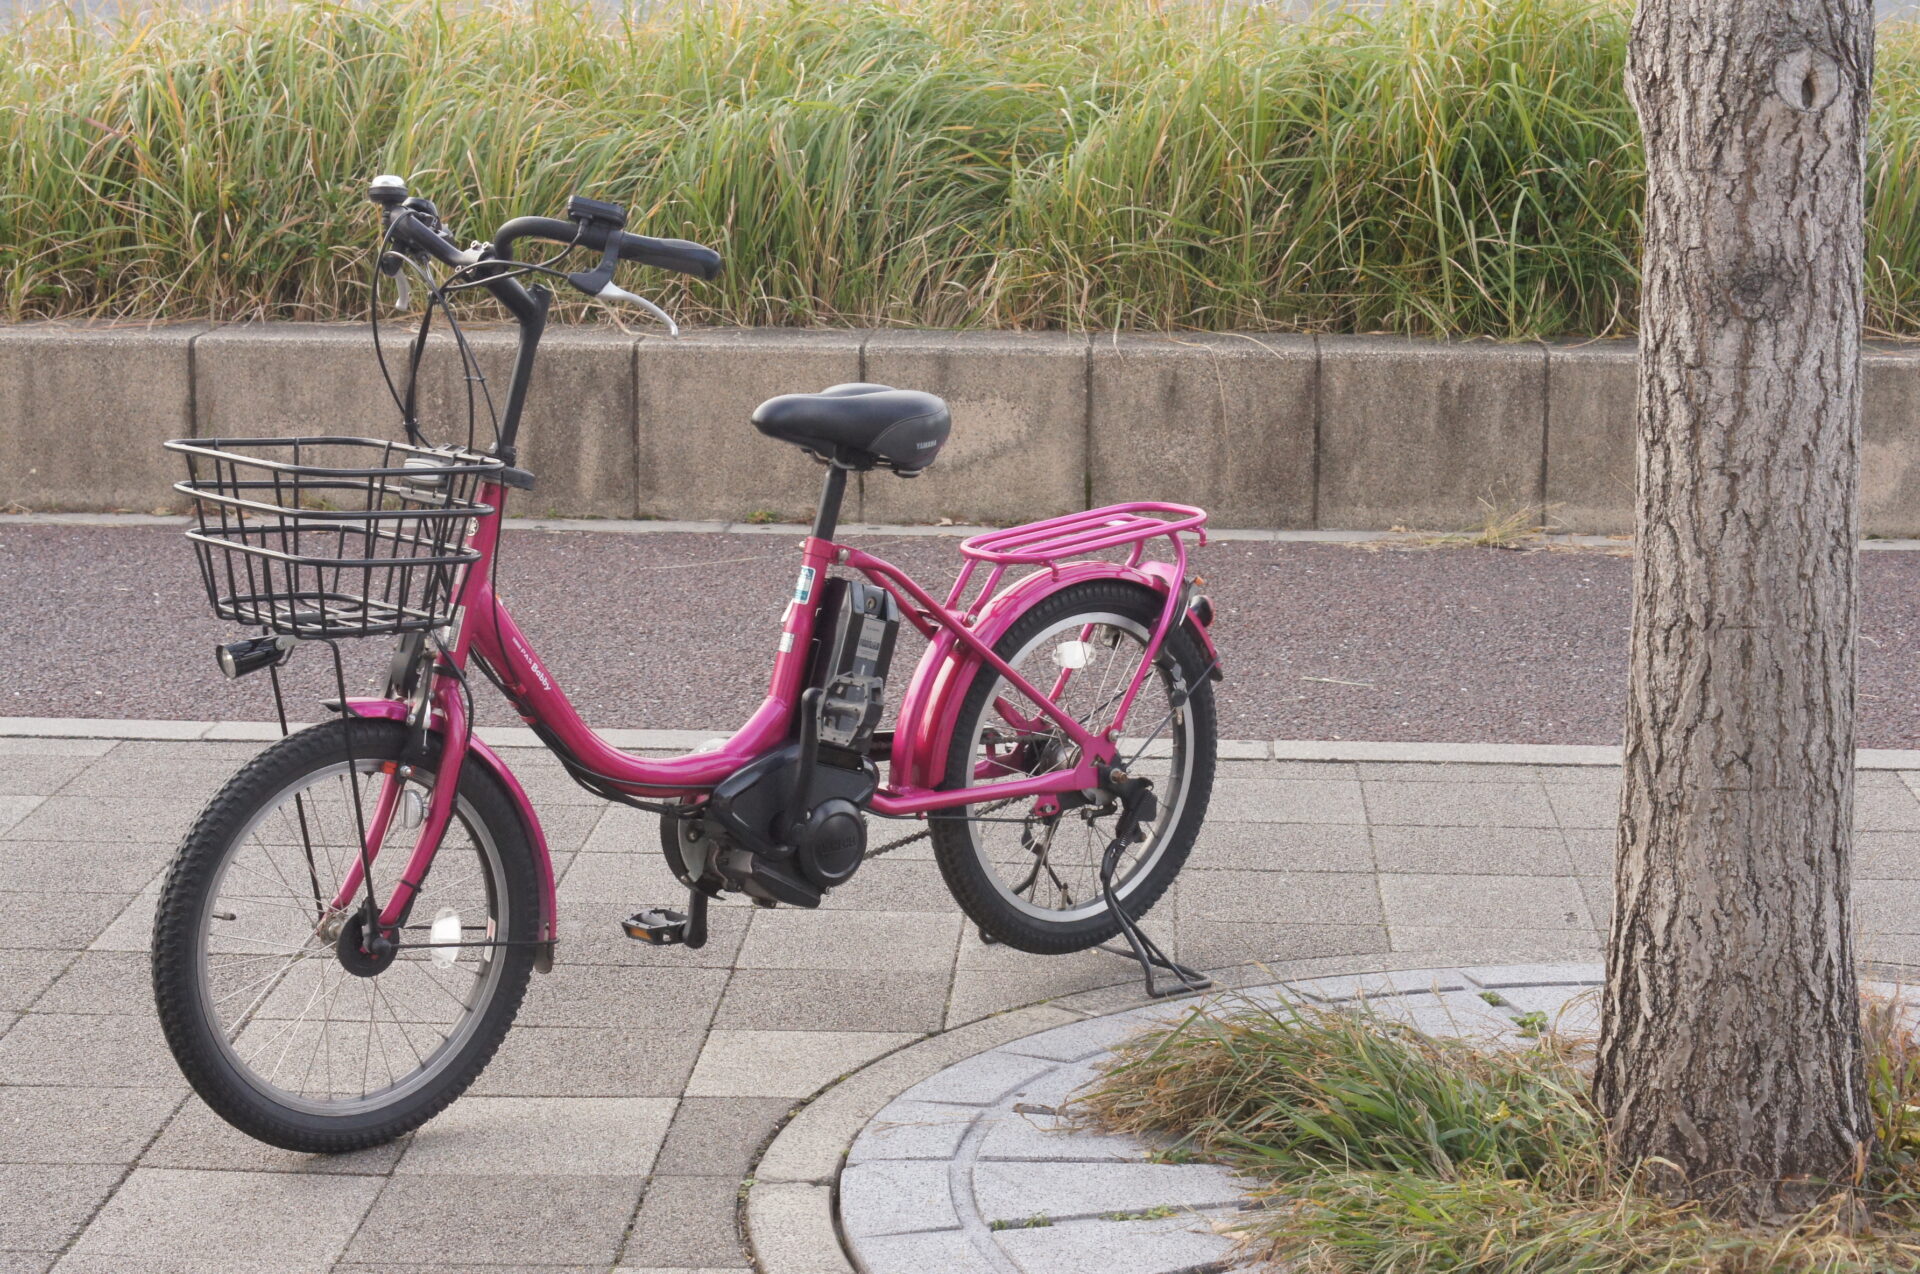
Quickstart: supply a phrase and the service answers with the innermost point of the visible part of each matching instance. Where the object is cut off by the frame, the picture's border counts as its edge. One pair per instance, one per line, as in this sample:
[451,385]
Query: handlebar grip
[672,254]
[668,254]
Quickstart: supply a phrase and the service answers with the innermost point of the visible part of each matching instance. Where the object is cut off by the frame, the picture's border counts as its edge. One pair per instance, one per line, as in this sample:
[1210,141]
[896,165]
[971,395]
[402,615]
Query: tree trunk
[1730,1048]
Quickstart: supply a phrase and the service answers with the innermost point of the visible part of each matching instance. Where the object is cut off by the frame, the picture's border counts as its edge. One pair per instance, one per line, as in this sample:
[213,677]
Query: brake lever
[394,266]
[613,292]
[598,283]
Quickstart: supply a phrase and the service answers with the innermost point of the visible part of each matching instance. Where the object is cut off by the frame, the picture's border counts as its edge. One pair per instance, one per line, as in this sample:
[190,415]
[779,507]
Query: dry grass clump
[1382,1149]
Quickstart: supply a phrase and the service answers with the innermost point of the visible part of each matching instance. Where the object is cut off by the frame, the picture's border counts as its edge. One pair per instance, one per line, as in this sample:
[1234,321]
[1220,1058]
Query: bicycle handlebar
[411,227]
[412,234]
[668,254]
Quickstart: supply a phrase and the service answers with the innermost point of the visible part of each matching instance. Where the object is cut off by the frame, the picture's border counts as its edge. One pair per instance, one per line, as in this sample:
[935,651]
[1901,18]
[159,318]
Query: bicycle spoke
[269,976]
[366,1052]
[376,1030]
[324,1035]
[292,1028]
[277,977]
[380,992]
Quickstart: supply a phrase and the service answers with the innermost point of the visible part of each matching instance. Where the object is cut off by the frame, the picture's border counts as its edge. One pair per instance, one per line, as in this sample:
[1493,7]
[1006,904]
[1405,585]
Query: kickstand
[1135,794]
[1146,950]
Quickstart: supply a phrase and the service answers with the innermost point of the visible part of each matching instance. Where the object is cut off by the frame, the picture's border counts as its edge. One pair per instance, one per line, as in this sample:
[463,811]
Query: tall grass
[1382,1151]
[1468,167]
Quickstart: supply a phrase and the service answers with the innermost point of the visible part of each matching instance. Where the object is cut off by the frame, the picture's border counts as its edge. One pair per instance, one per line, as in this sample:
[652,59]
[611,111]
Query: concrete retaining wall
[1265,431]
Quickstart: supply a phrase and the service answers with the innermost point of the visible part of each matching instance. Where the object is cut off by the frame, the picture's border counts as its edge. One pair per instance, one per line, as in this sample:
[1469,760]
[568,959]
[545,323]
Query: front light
[251,654]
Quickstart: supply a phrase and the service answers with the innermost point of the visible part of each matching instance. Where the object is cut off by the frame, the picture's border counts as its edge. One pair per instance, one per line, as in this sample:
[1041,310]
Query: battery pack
[858,624]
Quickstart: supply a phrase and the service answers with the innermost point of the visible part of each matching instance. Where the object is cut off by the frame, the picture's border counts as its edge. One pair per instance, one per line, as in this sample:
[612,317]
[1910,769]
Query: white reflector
[1073,654]
[446,929]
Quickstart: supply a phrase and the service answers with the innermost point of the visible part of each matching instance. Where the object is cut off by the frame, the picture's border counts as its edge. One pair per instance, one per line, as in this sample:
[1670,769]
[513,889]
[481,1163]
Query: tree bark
[1730,1061]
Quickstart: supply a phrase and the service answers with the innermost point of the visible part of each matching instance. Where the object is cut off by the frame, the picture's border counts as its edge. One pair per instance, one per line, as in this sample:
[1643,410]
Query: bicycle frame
[961,638]
[487,631]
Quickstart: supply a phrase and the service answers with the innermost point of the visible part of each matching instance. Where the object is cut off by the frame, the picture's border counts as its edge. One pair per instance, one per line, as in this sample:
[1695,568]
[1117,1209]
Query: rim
[287,1015]
[1048,869]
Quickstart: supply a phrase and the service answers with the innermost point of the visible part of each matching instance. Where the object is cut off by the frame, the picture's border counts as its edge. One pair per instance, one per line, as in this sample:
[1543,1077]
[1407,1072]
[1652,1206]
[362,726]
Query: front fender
[393,710]
[931,707]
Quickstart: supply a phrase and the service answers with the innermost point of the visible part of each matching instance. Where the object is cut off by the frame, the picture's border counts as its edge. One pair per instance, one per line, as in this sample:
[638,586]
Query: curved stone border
[791,1220]
[975,1170]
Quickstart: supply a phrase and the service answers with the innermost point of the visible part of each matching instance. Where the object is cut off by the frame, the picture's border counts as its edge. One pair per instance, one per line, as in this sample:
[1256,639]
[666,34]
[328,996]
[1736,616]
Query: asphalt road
[676,631]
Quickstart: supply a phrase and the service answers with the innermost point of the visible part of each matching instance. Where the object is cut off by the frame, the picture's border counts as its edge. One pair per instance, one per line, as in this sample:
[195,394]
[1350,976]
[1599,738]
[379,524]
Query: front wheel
[1030,880]
[294,1035]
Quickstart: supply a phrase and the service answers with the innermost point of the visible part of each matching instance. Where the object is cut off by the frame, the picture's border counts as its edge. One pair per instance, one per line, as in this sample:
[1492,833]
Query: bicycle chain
[924,833]
[890,846]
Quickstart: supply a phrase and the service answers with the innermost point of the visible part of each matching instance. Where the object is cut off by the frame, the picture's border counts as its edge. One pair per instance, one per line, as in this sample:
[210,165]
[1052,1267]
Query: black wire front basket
[332,537]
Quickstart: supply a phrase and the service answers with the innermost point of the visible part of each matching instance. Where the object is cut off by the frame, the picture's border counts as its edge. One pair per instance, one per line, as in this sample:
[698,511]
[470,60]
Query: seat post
[826,520]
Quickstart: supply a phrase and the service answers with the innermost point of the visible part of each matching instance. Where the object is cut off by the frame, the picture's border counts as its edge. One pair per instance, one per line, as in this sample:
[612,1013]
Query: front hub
[364,956]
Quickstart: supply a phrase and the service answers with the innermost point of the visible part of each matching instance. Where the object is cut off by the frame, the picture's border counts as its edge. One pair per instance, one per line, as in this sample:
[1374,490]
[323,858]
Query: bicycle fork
[437,818]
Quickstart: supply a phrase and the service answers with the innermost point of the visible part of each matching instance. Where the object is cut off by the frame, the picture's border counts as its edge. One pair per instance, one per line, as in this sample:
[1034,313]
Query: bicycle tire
[182,948]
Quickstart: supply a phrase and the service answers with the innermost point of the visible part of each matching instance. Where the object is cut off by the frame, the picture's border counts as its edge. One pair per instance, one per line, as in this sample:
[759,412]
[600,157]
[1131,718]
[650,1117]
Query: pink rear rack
[1076,533]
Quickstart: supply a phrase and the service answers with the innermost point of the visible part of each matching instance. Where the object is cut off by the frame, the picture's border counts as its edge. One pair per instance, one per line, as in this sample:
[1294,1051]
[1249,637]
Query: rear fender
[394,710]
[1167,576]
[931,707]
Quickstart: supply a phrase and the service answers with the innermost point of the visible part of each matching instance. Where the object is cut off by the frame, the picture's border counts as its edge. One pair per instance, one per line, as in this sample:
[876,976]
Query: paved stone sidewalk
[976,1170]
[618,1121]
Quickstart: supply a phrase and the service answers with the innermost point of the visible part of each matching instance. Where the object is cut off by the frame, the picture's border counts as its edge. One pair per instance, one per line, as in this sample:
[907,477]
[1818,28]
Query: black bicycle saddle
[860,426]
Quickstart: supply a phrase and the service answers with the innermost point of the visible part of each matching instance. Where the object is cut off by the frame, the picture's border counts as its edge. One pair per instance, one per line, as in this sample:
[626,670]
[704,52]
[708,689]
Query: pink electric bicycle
[349,926]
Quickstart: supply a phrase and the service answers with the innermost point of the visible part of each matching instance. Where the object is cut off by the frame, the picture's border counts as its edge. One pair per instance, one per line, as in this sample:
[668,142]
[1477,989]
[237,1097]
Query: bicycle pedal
[661,926]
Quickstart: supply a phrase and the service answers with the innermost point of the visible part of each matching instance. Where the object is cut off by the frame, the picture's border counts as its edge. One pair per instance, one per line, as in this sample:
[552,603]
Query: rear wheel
[294,1035]
[1031,880]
